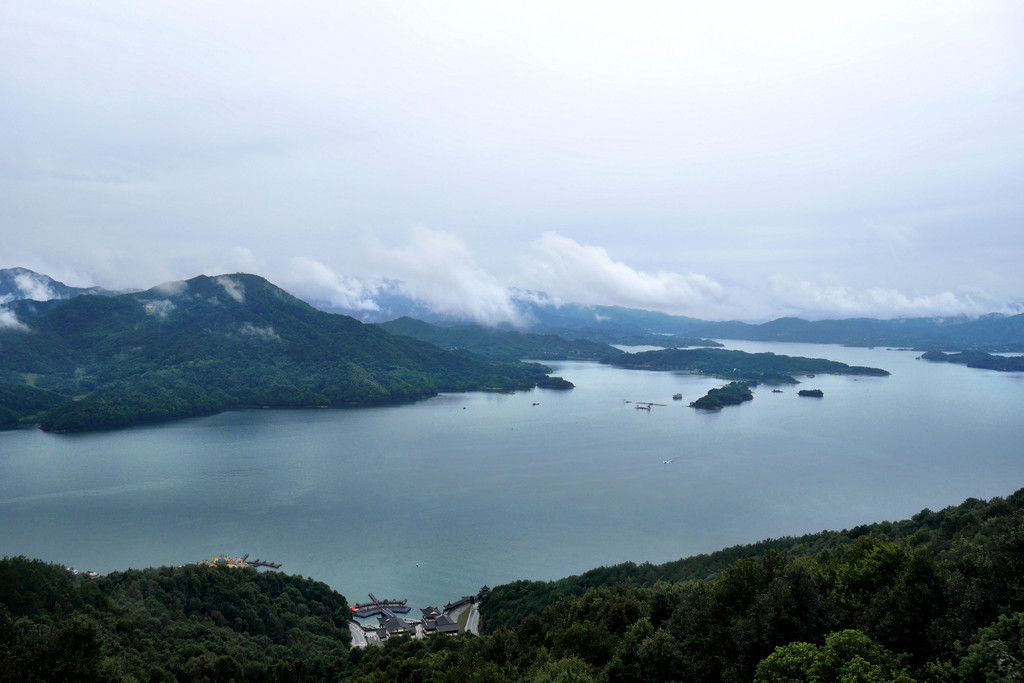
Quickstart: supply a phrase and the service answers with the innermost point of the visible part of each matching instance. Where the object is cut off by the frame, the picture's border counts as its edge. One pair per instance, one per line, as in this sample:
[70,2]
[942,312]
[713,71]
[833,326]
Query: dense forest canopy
[500,344]
[934,598]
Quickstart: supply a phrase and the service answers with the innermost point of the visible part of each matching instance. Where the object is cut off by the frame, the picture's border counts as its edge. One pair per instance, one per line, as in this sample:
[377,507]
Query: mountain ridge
[994,332]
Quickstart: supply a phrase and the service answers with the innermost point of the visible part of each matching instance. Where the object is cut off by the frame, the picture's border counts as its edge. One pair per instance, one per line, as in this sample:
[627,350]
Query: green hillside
[738,365]
[498,344]
[214,343]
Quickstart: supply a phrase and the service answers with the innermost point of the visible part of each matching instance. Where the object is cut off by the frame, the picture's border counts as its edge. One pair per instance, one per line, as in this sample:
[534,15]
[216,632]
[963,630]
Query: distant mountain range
[618,325]
[24,292]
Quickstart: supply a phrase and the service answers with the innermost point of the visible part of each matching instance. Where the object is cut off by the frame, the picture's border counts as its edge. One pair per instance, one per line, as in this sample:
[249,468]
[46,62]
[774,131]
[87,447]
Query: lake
[430,501]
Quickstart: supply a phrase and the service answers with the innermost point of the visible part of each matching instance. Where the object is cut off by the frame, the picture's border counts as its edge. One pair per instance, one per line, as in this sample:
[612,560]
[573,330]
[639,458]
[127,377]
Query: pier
[242,562]
[378,606]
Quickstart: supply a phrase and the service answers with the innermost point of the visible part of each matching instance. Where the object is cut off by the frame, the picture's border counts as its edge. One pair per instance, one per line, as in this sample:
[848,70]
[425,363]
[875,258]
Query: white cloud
[436,267]
[161,308]
[266,333]
[588,274]
[699,144]
[172,288]
[234,288]
[34,288]
[9,321]
[810,299]
[311,279]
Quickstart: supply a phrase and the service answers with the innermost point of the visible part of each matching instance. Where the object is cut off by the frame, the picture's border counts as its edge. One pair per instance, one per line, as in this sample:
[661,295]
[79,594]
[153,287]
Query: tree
[847,656]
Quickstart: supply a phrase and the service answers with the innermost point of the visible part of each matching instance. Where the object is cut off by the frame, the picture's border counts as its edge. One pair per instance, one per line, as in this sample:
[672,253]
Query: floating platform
[376,606]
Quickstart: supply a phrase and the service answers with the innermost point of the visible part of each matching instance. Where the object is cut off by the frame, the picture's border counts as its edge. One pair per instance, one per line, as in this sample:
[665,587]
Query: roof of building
[446,624]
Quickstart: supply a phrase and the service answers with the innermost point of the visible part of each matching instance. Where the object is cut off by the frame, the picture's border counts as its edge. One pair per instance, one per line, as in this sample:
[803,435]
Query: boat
[677,397]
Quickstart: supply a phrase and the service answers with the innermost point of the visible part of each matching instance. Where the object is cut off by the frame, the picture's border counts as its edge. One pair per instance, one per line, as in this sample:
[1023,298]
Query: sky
[726,160]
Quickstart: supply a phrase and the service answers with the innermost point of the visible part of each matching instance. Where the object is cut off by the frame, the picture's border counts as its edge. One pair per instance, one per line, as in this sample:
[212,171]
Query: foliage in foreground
[935,598]
[189,623]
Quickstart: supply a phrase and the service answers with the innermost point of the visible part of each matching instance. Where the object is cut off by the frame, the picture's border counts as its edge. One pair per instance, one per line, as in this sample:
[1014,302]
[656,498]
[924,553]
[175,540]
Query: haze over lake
[434,499]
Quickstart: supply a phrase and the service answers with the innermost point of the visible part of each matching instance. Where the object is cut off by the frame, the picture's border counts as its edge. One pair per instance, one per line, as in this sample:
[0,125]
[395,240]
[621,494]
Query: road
[473,622]
[358,637]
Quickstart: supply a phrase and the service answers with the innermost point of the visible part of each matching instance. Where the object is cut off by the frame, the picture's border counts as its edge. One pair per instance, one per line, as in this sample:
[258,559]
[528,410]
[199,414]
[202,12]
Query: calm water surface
[432,500]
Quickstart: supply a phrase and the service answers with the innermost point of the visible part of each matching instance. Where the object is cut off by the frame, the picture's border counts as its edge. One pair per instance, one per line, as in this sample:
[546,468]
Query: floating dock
[377,606]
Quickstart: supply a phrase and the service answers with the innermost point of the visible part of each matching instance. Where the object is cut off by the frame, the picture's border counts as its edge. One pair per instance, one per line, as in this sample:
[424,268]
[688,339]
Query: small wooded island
[731,394]
[813,393]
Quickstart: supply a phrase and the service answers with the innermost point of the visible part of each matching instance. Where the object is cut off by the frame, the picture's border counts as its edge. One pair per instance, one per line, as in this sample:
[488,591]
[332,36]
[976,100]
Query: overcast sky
[723,160]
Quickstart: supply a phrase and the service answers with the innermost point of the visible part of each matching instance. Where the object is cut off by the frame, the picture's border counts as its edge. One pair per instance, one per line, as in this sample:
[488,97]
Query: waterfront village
[461,616]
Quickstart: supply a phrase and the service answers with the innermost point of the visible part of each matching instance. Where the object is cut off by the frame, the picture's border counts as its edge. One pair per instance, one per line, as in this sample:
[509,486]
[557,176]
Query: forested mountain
[23,290]
[498,344]
[212,343]
[933,598]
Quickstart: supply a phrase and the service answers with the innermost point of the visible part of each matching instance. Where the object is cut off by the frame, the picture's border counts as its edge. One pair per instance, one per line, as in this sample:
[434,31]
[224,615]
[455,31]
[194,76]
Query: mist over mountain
[21,283]
[619,325]
[388,300]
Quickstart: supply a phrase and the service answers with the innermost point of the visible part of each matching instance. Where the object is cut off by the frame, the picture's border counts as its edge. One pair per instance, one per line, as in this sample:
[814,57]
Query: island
[740,366]
[731,394]
[978,359]
[813,393]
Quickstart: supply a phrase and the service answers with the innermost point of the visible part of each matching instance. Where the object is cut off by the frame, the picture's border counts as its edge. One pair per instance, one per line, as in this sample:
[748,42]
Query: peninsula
[978,359]
[768,368]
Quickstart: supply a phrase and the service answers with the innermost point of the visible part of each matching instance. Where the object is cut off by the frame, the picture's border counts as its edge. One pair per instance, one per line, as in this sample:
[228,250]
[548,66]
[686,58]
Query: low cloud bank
[575,272]
[161,308]
[34,288]
[313,280]
[438,269]
[808,299]
[260,332]
[234,288]
[9,321]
